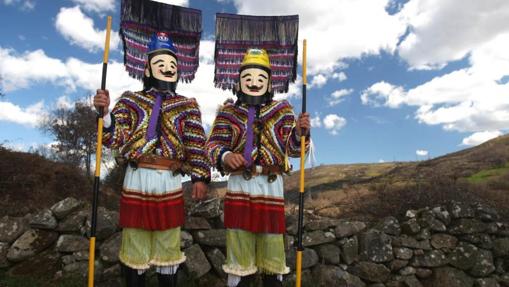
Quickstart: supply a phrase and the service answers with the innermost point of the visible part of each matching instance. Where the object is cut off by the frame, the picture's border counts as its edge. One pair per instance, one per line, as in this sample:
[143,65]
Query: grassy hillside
[480,173]
[29,182]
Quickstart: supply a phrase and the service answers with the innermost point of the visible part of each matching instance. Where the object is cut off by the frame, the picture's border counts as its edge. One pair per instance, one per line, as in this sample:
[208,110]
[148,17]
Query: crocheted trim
[239,271]
[285,271]
[167,263]
[133,266]
[152,263]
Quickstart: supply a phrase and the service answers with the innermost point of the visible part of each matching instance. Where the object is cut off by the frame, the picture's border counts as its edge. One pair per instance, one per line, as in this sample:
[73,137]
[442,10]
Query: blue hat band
[161,42]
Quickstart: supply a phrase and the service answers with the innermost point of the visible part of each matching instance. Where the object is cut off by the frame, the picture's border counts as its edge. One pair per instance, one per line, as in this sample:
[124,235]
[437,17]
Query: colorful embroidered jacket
[276,121]
[175,133]
[247,206]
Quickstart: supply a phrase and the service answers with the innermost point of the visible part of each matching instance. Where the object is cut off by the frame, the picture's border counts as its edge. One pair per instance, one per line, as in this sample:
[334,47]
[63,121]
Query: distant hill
[29,182]
[479,173]
[489,155]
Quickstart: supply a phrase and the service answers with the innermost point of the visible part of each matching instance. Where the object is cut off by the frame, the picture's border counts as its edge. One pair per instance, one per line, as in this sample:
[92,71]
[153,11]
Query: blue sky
[388,80]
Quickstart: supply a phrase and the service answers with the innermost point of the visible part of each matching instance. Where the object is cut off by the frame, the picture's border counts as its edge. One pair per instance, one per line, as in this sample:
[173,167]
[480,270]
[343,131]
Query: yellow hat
[258,57]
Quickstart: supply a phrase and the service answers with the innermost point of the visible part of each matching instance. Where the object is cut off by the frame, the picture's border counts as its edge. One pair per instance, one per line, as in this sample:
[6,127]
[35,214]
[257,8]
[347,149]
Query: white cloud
[88,76]
[207,49]
[468,100]
[29,116]
[341,76]
[480,137]
[63,102]
[421,152]
[383,94]
[25,5]
[334,123]
[318,81]
[463,100]
[316,122]
[444,31]
[98,6]
[202,88]
[335,29]
[28,5]
[294,90]
[184,3]
[471,99]
[338,96]
[17,145]
[79,30]
[22,70]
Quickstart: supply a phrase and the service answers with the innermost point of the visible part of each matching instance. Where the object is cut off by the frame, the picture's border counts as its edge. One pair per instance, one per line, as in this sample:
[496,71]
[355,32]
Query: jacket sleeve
[197,162]
[122,121]
[221,139]
[288,129]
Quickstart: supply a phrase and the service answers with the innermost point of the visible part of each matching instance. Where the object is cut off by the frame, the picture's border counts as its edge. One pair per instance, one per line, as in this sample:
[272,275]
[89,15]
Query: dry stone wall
[456,245]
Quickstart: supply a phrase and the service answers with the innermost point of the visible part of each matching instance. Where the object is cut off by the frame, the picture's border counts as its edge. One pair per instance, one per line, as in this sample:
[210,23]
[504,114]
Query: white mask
[254,82]
[164,68]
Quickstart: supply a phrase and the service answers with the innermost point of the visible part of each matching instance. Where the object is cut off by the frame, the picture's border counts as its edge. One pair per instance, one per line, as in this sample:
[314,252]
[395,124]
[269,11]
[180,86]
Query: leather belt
[157,162]
[271,171]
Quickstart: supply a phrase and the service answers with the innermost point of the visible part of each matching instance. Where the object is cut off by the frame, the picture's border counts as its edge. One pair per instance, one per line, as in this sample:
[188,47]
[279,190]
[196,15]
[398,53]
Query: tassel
[237,33]
[141,18]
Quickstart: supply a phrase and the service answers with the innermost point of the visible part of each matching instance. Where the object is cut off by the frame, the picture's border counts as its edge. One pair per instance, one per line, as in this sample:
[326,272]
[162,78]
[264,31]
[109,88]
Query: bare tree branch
[75,132]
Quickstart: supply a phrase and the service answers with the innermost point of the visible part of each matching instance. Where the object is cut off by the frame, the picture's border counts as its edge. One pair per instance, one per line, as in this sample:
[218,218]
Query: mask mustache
[168,73]
[254,88]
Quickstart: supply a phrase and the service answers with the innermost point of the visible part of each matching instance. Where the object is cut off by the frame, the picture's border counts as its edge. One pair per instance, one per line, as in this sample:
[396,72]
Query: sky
[388,80]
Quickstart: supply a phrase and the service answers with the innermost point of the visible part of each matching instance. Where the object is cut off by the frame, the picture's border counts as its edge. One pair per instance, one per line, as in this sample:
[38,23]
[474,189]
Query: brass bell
[133,164]
[272,177]
[247,175]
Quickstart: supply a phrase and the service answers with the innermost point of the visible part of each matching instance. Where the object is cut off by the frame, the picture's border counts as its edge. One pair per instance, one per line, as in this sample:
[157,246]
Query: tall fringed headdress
[140,19]
[235,34]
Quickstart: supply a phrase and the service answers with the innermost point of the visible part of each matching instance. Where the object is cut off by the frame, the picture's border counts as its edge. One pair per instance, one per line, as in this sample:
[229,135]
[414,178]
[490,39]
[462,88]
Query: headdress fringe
[141,18]
[237,33]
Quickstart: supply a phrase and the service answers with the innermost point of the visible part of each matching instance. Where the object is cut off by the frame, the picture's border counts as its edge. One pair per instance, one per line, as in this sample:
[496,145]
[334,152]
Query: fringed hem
[151,263]
[239,271]
[133,266]
[168,263]
[285,271]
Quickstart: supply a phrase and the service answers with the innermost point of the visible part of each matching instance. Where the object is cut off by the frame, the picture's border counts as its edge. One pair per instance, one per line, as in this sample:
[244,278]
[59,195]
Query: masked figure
[159,133]
[251,140]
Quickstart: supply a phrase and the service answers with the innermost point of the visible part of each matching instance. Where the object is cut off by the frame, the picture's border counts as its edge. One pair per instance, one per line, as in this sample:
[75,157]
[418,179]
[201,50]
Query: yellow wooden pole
[98,155]
[300,248]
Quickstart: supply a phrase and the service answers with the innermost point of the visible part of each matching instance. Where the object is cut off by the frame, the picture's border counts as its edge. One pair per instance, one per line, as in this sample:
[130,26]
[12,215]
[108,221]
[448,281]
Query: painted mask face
[164,68]
[254,82]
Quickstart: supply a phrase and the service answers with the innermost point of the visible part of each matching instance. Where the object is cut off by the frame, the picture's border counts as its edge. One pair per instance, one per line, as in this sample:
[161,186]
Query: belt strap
[157,162]
[266,170]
